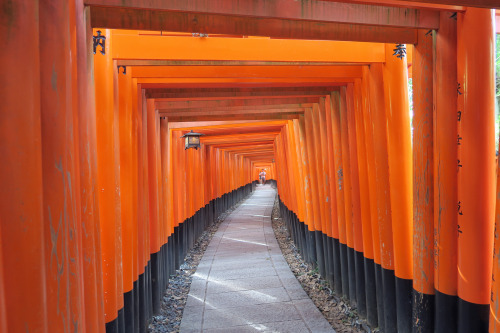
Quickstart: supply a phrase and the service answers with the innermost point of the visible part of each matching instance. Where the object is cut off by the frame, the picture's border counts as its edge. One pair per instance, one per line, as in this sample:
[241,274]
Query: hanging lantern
[192,140]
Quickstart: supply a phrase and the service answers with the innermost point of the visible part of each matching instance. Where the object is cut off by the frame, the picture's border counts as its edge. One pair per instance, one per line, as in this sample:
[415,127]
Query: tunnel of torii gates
[100,202]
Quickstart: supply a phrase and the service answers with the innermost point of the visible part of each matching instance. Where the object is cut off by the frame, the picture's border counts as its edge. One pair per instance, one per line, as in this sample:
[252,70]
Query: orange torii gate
[100,201]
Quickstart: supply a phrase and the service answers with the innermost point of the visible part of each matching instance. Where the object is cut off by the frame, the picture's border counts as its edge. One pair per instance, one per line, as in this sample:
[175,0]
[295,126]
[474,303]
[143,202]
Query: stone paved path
[243,283]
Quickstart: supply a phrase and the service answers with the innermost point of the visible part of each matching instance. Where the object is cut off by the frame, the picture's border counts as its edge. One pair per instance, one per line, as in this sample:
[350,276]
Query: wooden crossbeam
[319,11]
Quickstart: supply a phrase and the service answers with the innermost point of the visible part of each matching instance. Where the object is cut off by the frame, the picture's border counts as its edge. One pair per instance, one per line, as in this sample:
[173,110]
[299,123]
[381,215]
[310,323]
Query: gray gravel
[336,309]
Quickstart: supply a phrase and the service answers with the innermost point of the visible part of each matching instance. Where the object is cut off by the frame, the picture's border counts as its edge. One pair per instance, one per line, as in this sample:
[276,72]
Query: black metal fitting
[124,69]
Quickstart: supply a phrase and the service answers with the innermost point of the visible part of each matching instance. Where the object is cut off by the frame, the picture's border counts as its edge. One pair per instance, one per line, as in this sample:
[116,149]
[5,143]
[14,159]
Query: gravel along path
[338,312]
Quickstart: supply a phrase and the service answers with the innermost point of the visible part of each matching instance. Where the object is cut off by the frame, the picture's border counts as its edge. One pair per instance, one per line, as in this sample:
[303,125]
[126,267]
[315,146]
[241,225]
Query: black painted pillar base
[176,247]
[446,312]
[112,326]
[330,266]
[303,241]
[136,306]
[320,260]
[423,312]
[403,302]
[155,282]
[380,296]
[345,271]
[337,269]
[360,283]
[352,275]
[371,292]
[311,247]
[128,311]
[326,255]
[390,312]
[472,318]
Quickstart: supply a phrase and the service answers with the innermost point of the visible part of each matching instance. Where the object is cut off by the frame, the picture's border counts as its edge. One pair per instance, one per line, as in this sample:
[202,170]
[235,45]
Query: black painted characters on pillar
[400,51]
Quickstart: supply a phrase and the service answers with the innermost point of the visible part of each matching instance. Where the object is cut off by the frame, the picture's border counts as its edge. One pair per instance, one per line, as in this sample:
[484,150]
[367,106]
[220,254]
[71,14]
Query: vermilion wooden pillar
[368,127]
[423,184]
[142,212]
[476,170]
[320,179]
[21,171]
[361,103]
[144,192]
[302,213]
[283,145]
[3,309]
[290,128]
[347,179]
[136,259]
[108,179]
[76,228]
[154,209]
[311,162]
[401,180]
[59,169]
[495,284]
[167,218]
[334,225]
[352,108]
[383,191]
[118,222]
[340,191]
[311,249]
[91,243]
[128,222]
[310,180]
[325,159]
[286,133]
[152,172]
[295,153]
[445,180]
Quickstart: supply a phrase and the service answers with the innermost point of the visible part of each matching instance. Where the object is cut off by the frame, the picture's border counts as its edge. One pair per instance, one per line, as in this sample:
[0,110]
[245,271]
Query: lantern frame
[192,140]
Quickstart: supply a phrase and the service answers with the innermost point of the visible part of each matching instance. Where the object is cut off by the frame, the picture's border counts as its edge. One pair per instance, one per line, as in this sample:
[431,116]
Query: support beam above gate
[319,11]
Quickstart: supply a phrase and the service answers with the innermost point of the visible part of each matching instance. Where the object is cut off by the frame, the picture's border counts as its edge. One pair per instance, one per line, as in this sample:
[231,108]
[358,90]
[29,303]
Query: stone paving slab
[243,283]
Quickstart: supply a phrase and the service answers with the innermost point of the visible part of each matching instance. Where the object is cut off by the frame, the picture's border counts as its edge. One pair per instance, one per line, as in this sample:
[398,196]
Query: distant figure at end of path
[262,176]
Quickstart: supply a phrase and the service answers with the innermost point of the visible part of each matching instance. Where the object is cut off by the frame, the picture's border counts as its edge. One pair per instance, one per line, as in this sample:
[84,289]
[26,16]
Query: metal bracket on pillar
[454,16]
[124,69]
[99,40]
[429,33]
[458,88]
[400,51]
